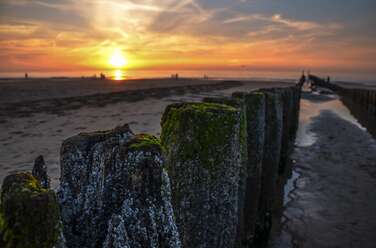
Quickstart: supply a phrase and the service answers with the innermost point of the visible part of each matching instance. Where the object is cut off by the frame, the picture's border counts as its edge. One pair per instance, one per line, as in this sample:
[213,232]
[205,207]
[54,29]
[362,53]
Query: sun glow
[117,59]
[118,75]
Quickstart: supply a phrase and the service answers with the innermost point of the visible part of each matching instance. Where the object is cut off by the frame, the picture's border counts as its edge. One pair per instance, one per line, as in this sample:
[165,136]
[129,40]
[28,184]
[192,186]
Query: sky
[274,35]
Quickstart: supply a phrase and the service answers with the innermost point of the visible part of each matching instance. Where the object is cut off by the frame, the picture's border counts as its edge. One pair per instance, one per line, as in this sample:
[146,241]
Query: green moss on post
[29,214]
[238,102]
[145,142]
[201,142]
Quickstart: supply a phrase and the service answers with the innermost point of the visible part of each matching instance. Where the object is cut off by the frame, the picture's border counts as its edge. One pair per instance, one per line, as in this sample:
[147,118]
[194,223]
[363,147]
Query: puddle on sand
[290,186]
[311,105]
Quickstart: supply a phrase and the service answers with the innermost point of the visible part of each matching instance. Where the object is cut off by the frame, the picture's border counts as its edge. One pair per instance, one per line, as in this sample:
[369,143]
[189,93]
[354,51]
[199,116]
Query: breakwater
[361,102]
[210,181]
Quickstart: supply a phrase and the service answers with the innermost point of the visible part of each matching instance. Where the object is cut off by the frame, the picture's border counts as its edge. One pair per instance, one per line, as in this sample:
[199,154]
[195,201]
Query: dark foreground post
[296,93]
[202,146]
[270,163]
[288,118]
[114,191]
[255,126]
[29,214]
[40,172]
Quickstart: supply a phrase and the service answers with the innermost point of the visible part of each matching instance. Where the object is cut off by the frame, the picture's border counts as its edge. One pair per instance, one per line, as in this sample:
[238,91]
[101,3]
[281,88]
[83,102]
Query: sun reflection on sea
[119,75]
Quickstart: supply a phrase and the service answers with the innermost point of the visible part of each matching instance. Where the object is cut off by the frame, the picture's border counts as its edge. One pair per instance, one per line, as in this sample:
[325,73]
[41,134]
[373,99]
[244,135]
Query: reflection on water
[290,186]
[118,75]
[311,106]
[286,185]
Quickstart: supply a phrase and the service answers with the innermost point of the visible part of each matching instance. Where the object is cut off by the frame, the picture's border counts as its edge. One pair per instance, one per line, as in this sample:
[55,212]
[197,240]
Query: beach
[35,120]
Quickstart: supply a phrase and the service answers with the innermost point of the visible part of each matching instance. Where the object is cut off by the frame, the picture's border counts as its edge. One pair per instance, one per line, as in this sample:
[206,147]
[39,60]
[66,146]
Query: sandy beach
[35,123]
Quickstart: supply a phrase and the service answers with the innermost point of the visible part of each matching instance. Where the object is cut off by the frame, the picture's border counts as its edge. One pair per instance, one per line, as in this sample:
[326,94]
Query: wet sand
[330,198]
[37,127]
[64,103]
[32,89]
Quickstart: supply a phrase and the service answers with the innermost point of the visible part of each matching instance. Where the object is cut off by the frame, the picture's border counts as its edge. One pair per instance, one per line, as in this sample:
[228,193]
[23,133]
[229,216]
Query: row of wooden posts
[366,98]
[360,101]
[210,181]
[224,157]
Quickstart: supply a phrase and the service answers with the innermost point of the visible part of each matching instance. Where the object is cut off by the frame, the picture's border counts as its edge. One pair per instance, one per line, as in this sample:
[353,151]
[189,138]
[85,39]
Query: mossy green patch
[29,214]
[199,130]
[202,152]
[145,142]
[238,102]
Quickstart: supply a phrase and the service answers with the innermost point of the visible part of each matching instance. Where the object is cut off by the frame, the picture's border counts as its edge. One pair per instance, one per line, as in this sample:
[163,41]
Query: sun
[117,59]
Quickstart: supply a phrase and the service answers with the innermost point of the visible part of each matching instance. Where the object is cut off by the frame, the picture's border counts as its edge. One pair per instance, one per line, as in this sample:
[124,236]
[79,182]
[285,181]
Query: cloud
[155,33]
[181,16]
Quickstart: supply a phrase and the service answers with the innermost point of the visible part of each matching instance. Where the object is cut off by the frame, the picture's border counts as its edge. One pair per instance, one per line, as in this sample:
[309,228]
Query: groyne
[361,102]
[210,181]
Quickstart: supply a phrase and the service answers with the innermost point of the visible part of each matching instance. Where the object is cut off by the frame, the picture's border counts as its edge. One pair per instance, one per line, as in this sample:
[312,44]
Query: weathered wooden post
[295,112]
[238,103]
[40,172]
[255,124]
[288,118]
[271,159]
[373,102]
[29,213]
[202,147]
[114,191]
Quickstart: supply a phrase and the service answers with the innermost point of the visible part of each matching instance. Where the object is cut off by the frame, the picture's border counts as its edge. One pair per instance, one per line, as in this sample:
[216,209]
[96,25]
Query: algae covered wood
[242,188]
[114,191]
[202,147]
[29,213]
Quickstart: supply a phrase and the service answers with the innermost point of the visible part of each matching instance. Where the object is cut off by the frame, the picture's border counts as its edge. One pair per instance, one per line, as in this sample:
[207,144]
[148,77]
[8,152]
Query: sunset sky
[84,35]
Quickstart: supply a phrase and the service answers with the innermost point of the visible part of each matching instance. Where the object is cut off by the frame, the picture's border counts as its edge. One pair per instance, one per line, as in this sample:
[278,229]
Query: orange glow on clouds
[176,35]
